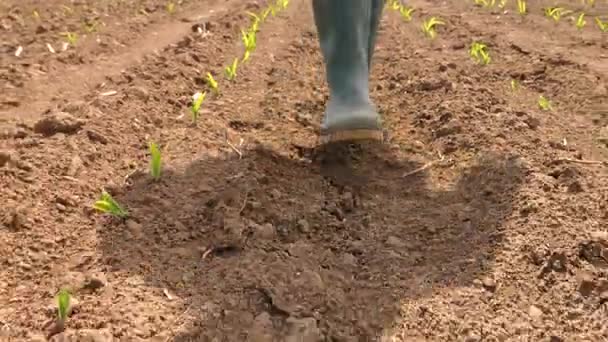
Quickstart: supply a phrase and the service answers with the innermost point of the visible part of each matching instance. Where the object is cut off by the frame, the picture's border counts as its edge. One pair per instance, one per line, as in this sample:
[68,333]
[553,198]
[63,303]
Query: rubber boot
[347,31]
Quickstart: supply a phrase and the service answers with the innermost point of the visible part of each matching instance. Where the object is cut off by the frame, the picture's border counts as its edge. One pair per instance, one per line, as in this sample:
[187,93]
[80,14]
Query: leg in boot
[347,32]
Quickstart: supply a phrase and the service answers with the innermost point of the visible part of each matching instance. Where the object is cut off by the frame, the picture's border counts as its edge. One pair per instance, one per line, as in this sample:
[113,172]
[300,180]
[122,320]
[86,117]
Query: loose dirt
[481,218]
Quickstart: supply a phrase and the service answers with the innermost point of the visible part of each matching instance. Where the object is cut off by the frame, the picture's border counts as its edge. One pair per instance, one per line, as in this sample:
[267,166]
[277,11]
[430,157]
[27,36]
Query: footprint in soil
[311,247]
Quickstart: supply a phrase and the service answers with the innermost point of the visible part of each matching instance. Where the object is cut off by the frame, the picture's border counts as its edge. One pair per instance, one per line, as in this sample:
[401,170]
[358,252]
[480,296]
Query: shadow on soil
[268,246]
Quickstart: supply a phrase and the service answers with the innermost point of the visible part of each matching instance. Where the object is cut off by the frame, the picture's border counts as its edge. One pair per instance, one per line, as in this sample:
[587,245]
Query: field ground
[252,234]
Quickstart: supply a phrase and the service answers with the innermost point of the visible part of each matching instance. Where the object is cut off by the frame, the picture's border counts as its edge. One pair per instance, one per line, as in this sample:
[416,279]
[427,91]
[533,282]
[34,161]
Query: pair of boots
[347,31]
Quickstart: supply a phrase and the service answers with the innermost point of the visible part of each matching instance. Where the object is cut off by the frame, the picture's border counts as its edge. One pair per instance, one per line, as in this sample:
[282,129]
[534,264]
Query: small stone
[59,122]
[489,284]
[586,284]
[535,312]
[266,231]
[472,338]
[75,165]
[139,92]
[134,227]
[349,259]
[60,207]
[303,226]
[600,236]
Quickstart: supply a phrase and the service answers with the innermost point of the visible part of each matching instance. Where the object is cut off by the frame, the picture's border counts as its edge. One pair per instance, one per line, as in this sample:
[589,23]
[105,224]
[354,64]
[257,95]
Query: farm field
[482,217]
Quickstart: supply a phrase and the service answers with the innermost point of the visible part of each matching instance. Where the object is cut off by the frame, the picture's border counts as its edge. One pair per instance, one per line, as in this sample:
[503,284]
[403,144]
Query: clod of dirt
[59,122]
[139,92]
[85,335]
[303,330]
[262,328]
[586,284]
[95,281]
[489,284]
[604,297]
[97,137]
[602,137]
[5,157]
[75,165]
[265,231]
[134,228]
[15,219]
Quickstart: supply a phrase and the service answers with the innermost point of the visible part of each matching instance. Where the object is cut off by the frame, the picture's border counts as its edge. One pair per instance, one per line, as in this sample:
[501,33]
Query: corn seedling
[230,70]
[282,4]
[591,3]
[603,25]
[36,15]
[67,10]
[266,12]
[428,27]
[544,103]
[485,3]
[522,7]
[212,83]
[63,305]
[479,52]
[197,101]
[580,21]
[406,13]
[155,161]
[255,24]
[170,7]
[555,12]
[249,40]
[91,27]
[514,85]
[393,4]
[71,38]
[107,204]
[502,4]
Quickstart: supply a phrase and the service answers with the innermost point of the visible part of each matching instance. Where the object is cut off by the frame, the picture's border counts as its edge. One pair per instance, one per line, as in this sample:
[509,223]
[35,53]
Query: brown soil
[255,234]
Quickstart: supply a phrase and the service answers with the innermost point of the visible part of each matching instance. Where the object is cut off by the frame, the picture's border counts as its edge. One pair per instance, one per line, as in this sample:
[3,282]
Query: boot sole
[352,135]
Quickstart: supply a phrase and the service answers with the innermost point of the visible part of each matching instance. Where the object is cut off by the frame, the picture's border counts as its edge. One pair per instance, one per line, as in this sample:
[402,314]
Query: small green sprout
[544,104]
[502,4]
[580,21]
[71,37]
[213,83]
[67,10]
[170,7]
[266,12]
[485,3]
[603,25]
[255,24]
[406,13]
[249,40]
[514,85]
[393,4]
[63,305]
[230,70]
[282,4]
[479,52]
[107,204]
[555,12]
[428,27]
[155,161]
[36,15]
[91,26]
[197,101]
[522,7]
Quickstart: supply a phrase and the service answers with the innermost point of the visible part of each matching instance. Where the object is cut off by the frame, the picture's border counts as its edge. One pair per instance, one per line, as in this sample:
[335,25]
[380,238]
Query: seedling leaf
[155,161]
[107,204]
[63,304]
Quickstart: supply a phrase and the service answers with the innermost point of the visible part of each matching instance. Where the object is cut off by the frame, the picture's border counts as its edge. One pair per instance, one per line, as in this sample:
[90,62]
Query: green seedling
[522,8]
[393,4]
[603,25]
[591,3]
[155,161]
[63,305]
[197,101]
[479,52]
[249,40]
[514,85]
[230,70]
[108,205]
[91,26]
[485,3]
[555,12]
[213,83]
[170,7]
[580,21]
[406,13]
[544,103]
[36,15]
[282,4]
[67,10]
[255,22]
[71,38]
[428,27]
[266,12]
[502,4]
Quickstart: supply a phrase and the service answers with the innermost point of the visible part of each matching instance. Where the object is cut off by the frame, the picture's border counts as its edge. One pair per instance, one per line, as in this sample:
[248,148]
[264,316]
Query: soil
[481,218]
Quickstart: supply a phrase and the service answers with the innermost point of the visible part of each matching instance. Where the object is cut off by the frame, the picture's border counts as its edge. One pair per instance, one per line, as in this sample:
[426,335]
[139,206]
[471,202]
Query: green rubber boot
[347,31]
